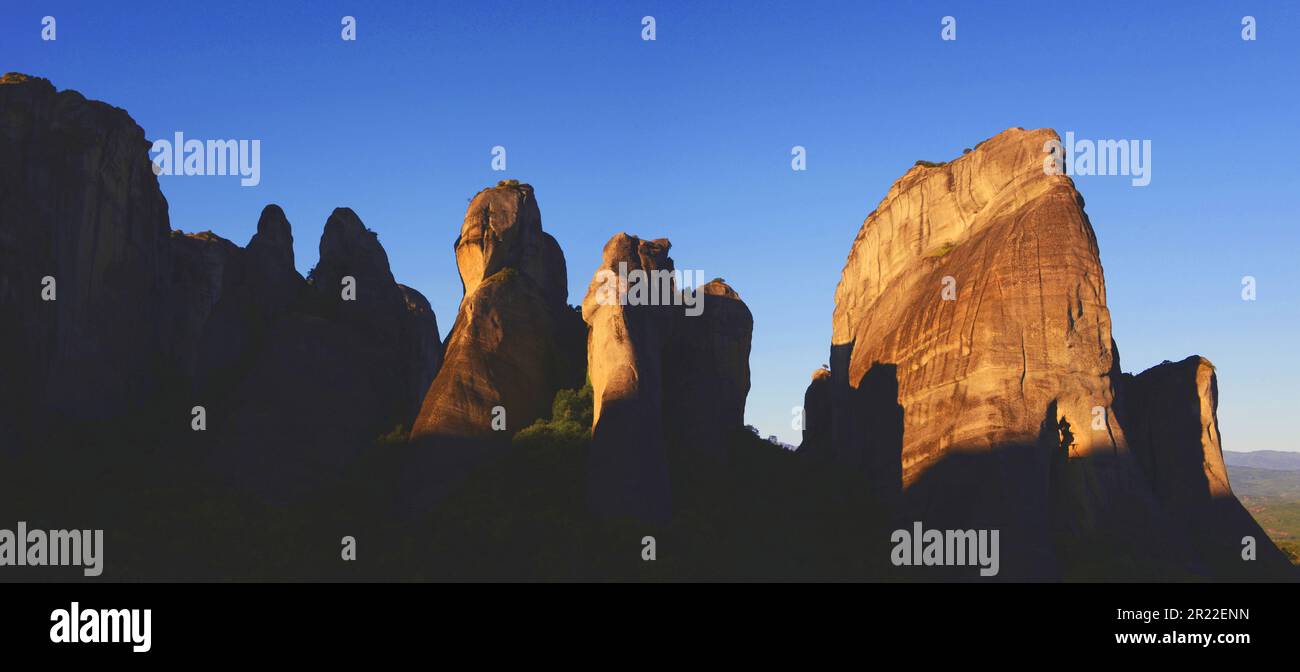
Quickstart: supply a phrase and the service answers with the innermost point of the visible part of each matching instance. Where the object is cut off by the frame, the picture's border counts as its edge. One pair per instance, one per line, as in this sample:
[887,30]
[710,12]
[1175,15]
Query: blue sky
[689,137]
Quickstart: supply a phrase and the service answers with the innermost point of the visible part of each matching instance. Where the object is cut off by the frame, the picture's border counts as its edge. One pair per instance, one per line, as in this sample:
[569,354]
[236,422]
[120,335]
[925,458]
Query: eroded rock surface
[669,383]
[980,281]
[515,342]
[503,229]
[625,351]
[975,384]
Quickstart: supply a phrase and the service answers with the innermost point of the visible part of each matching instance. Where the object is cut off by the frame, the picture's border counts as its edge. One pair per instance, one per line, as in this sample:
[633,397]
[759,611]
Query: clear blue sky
[689,137]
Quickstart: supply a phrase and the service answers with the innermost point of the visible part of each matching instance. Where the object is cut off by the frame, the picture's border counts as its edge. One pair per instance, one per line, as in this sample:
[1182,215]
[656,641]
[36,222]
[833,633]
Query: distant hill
[1263,459]
[1273,497]
[1257,482]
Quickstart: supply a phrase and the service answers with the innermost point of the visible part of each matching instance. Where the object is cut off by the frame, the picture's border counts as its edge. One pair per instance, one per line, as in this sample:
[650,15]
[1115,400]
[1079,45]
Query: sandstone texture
[625,361]
[668,386]
[1027,326]
[503,229]
[515,342]
[974,381]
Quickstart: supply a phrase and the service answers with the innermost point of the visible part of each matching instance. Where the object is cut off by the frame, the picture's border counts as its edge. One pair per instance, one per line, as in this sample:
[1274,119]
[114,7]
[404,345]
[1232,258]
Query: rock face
[668,383]
[974,380]
[708,373]
[980,281]
[225,299]
[351,258]
[147,322]
[625,350]
[817,416]
[81,206]
[357,288]
[420,349]
[348,361]
[515,342]
[1169,408]
[1171,413]
[503,229]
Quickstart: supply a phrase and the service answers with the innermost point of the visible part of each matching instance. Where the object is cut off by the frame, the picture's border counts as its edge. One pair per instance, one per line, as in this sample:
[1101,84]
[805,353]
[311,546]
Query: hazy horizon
[689,137]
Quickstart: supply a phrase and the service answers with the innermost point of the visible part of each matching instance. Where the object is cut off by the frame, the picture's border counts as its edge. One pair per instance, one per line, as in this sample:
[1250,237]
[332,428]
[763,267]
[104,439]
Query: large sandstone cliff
[974,380]
[1023,325]
[515,341]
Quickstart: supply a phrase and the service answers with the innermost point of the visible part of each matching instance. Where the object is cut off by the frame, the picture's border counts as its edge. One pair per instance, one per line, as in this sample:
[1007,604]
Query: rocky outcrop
[271,265]
[515,342]
[224,299]
[708,373]
[817,416]
[355,286]
[1171,418]
[420,350]
[81,207]
[980,281]
[625,359]
[145,322]
[1169,409]
[974,381]
[503,229]
[669,383]
[353,277]
[207,332]
[346,361]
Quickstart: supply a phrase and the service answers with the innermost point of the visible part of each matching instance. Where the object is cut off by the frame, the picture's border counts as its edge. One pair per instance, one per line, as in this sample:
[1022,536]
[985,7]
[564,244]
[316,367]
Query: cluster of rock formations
[297,376]
[145,323]
[974,380]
